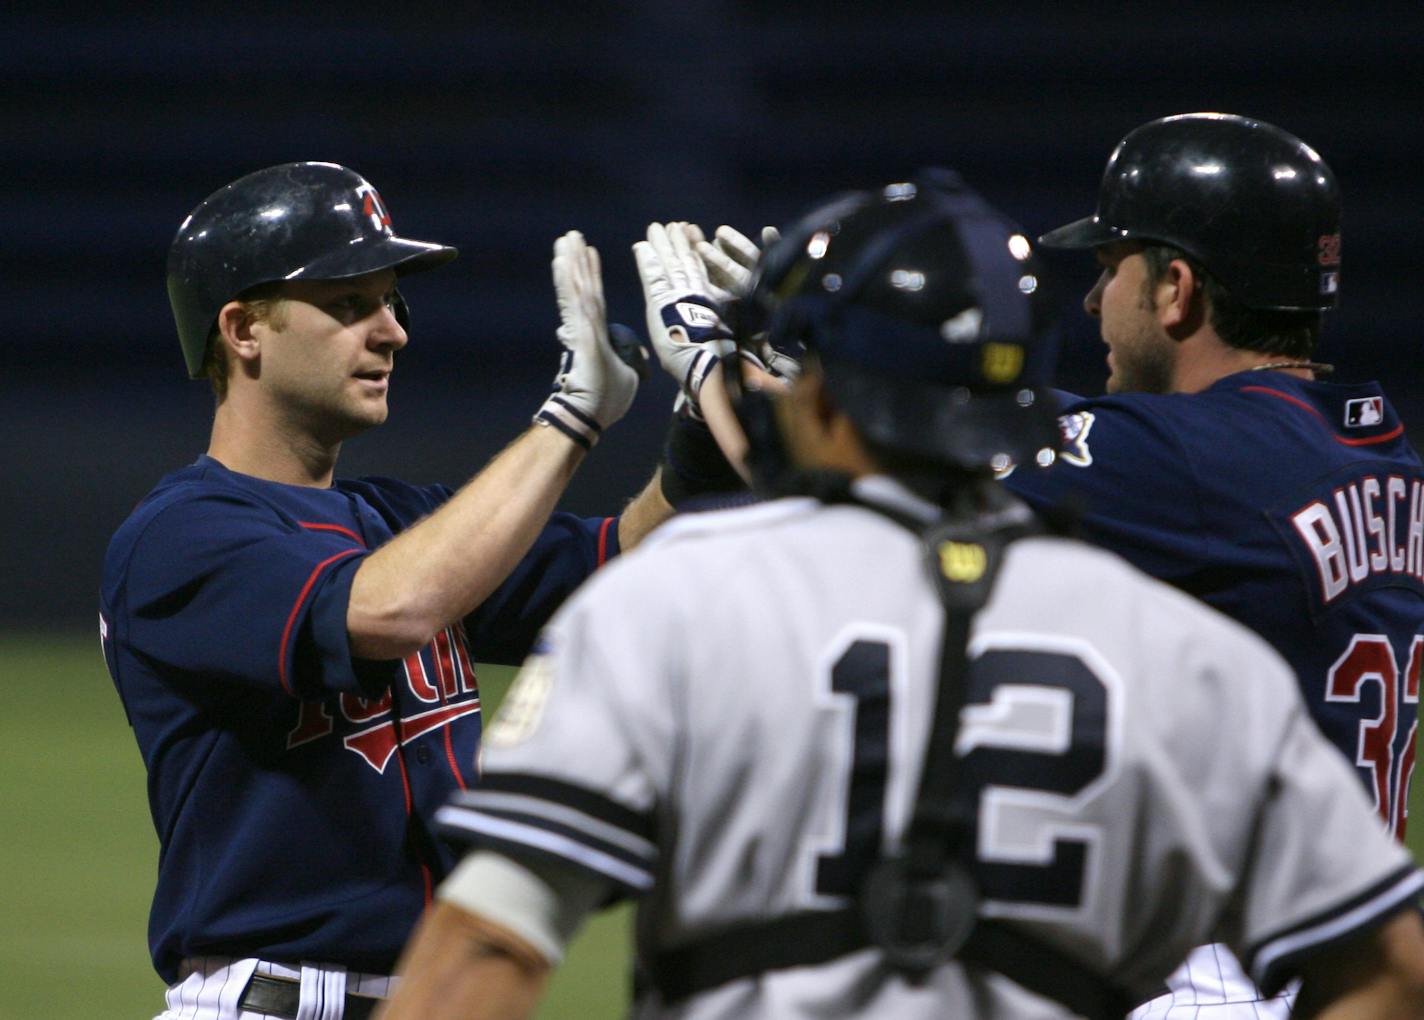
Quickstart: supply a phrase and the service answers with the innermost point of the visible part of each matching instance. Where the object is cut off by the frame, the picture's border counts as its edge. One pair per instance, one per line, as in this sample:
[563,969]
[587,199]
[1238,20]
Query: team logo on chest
[440,675]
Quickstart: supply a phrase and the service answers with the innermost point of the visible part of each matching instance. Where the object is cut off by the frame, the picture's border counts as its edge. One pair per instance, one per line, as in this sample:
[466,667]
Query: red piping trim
[405,779]
[603,540]
[1394,433]
[463,665]
[313,526]
[292,616]
[1284,396]
[450,757]
[446,685]
[1371,440]
[426,881]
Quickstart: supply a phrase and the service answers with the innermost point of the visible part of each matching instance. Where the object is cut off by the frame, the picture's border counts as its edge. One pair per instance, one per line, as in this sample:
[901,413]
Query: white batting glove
[731,256]
[687,331]
[594,387]
[729,260]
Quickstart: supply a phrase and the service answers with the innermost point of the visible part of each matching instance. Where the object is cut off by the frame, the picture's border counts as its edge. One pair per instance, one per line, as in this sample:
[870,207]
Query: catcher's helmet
[925,310]
[297,221]
[1254,204]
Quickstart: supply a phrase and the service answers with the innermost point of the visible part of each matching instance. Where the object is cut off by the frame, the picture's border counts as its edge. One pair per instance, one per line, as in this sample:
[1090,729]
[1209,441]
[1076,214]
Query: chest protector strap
[919,907]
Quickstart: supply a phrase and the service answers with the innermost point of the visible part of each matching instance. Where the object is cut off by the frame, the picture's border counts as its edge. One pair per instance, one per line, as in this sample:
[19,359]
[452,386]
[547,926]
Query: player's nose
[387,331]
[1093,300]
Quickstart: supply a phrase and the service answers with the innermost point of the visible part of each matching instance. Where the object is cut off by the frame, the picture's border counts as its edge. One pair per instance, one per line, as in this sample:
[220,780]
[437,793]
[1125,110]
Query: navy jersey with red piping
[290,783]
[1296,507]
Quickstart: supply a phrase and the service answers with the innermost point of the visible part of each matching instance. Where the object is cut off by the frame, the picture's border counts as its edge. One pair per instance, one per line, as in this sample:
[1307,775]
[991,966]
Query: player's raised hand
[594,386]
[728,261]
[686,328]
[731,256]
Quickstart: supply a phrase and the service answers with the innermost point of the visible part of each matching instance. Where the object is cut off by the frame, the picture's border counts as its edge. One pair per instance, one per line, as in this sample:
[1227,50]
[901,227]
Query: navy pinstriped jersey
[1295,507]
[289,782]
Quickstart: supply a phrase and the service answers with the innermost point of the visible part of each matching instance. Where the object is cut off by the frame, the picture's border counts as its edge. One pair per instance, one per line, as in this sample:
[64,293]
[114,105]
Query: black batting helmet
[925,310]
[1254,204]
[297,221]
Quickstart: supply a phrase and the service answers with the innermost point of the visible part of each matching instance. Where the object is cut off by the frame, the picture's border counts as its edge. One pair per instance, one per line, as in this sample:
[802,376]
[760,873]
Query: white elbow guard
[542,904]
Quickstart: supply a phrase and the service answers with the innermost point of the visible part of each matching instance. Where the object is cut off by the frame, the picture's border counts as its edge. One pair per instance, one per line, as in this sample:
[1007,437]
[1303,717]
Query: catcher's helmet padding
[925,310]
[296,221]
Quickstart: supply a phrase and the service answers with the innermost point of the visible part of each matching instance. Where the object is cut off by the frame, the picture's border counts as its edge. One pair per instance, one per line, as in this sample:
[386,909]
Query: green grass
[78,854]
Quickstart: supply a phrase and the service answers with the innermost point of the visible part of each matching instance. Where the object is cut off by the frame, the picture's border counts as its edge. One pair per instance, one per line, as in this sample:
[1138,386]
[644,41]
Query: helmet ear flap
[800,325]
[400,310]
[789,326]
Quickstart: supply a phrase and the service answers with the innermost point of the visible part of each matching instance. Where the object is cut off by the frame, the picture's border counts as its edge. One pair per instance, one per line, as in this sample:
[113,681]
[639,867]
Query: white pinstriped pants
[1210,985]
[209,987]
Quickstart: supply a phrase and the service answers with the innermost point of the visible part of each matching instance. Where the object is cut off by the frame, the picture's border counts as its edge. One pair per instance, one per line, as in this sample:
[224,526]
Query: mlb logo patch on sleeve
[1364,412]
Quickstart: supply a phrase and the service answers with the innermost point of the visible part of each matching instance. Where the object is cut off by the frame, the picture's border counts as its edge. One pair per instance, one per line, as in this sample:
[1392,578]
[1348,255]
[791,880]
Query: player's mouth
[377,377]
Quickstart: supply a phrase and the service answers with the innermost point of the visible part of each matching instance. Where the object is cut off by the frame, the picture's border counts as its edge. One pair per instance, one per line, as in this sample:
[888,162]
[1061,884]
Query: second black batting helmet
[924,309]
[296,221]
[1254,204]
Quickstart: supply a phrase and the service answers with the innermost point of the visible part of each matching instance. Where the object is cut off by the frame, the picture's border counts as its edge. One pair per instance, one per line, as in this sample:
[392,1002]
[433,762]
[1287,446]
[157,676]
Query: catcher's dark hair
[928,477]
[1292,334]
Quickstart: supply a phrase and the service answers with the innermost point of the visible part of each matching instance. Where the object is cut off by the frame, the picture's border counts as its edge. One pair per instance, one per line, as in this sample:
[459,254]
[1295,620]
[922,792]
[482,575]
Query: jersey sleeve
[1124,481]
[574,763]
[1326,868]
[503,628]
[225,589]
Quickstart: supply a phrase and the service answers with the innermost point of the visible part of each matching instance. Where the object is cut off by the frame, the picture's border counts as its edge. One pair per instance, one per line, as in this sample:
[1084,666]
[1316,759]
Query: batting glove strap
[559,413]
[596,382]
[697,371]
[684,325]
[694,338]
[697,316]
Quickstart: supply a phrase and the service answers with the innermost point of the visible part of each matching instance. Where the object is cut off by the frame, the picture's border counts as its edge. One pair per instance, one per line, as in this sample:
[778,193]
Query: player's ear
[812,402]
[821,400]
[236,322]
[1180,299]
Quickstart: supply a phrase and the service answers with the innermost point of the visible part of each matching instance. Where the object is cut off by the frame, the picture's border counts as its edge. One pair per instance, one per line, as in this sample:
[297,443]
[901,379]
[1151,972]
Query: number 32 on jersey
[1370,662]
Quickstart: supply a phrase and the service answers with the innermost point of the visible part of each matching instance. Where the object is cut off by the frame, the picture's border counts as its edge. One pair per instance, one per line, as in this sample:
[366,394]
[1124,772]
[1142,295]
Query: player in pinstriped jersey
[763,750]
[294,650]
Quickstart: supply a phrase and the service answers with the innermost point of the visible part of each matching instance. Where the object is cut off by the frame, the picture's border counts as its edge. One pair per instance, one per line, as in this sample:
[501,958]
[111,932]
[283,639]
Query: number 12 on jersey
[1036,737]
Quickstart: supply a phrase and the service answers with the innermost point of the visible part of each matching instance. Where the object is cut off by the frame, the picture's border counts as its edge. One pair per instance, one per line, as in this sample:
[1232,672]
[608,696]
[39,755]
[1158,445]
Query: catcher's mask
[925,310]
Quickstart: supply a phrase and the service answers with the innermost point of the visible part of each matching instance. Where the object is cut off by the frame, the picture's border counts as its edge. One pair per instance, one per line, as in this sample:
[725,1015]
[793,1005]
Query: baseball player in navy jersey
[1221,462]
[295,651]
[866,749]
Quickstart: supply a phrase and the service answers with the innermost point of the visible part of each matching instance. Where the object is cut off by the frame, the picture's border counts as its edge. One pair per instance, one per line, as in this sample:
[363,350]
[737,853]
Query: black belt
[281,997]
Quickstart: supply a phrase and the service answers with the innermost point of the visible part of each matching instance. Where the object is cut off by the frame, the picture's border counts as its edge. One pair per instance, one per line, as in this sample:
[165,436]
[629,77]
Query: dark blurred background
[497,127]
